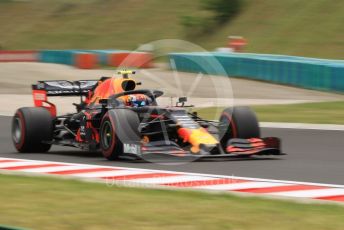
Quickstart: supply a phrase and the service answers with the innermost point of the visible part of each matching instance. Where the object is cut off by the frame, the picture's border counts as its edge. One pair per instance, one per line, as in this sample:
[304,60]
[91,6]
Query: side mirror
[181,102]
[182,99]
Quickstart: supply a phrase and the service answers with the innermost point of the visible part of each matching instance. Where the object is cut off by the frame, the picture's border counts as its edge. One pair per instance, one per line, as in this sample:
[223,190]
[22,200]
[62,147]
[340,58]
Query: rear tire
[118,126]
[238,122]
[31,127]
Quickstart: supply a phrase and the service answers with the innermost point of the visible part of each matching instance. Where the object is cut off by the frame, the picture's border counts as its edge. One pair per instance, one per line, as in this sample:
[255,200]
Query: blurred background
[294,27]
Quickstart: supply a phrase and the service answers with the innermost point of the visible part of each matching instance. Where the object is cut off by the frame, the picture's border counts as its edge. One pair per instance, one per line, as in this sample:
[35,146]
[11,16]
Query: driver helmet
[137,100]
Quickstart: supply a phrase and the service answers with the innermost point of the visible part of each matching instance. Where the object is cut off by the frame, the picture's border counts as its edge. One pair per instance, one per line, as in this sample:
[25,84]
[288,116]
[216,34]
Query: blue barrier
[312,73]
[78,58]
[66,57]
[103,55]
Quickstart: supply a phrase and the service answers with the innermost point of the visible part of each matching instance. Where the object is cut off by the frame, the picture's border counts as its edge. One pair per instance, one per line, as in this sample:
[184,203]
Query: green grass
[295,27]
[47,203]
[317,113]
[90,24]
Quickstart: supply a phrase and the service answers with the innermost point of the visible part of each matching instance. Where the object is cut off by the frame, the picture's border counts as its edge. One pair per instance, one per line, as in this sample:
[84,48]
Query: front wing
[235,148]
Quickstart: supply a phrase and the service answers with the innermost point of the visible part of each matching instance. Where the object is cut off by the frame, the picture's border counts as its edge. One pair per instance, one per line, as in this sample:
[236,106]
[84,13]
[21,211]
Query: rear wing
[66,88]
[43,89]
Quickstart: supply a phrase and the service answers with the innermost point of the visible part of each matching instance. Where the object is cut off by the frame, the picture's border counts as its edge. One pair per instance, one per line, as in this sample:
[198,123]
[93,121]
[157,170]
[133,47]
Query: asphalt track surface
[313,156]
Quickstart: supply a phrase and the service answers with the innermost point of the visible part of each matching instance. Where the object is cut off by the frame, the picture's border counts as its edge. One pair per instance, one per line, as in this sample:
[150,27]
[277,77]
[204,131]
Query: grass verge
[50,203]
[315,113]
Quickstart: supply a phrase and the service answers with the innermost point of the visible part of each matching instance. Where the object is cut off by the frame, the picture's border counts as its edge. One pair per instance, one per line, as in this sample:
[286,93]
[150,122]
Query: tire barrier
[123,58]
[18,56]
[103,55]
[79,59]
[86,61]
[89,59]
[311,73]
[83,59]
[130,59]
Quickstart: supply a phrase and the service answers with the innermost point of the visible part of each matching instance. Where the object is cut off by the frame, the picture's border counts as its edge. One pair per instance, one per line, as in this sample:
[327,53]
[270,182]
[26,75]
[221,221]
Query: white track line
[312,193]
[281,125]
[57,168]
[240,185]
[122,172]
[4,114]
[169,179]
[19,163]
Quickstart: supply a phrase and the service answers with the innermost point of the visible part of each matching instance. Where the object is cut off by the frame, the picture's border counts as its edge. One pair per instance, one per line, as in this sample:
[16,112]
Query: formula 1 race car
[122,121]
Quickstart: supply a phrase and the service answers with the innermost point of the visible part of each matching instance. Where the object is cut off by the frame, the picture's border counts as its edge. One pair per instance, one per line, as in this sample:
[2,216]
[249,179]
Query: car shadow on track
[76,153]
[142,161]
[98,156]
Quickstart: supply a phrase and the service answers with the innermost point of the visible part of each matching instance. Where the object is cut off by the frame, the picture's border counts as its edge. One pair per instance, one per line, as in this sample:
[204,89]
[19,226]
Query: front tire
[118,126]
[110,144]
[31,128]
[238,122]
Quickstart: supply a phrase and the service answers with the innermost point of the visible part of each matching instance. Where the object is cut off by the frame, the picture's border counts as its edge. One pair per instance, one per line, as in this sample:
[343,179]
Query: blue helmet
[137,100]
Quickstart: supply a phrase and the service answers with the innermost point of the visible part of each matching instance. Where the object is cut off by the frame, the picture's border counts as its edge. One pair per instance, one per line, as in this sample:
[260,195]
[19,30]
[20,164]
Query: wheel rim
[107,135]
[17,130]
[226,129]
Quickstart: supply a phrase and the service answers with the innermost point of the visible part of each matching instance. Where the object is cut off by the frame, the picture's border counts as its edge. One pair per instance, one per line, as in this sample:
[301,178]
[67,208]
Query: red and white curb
[171,179]
[282,125]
